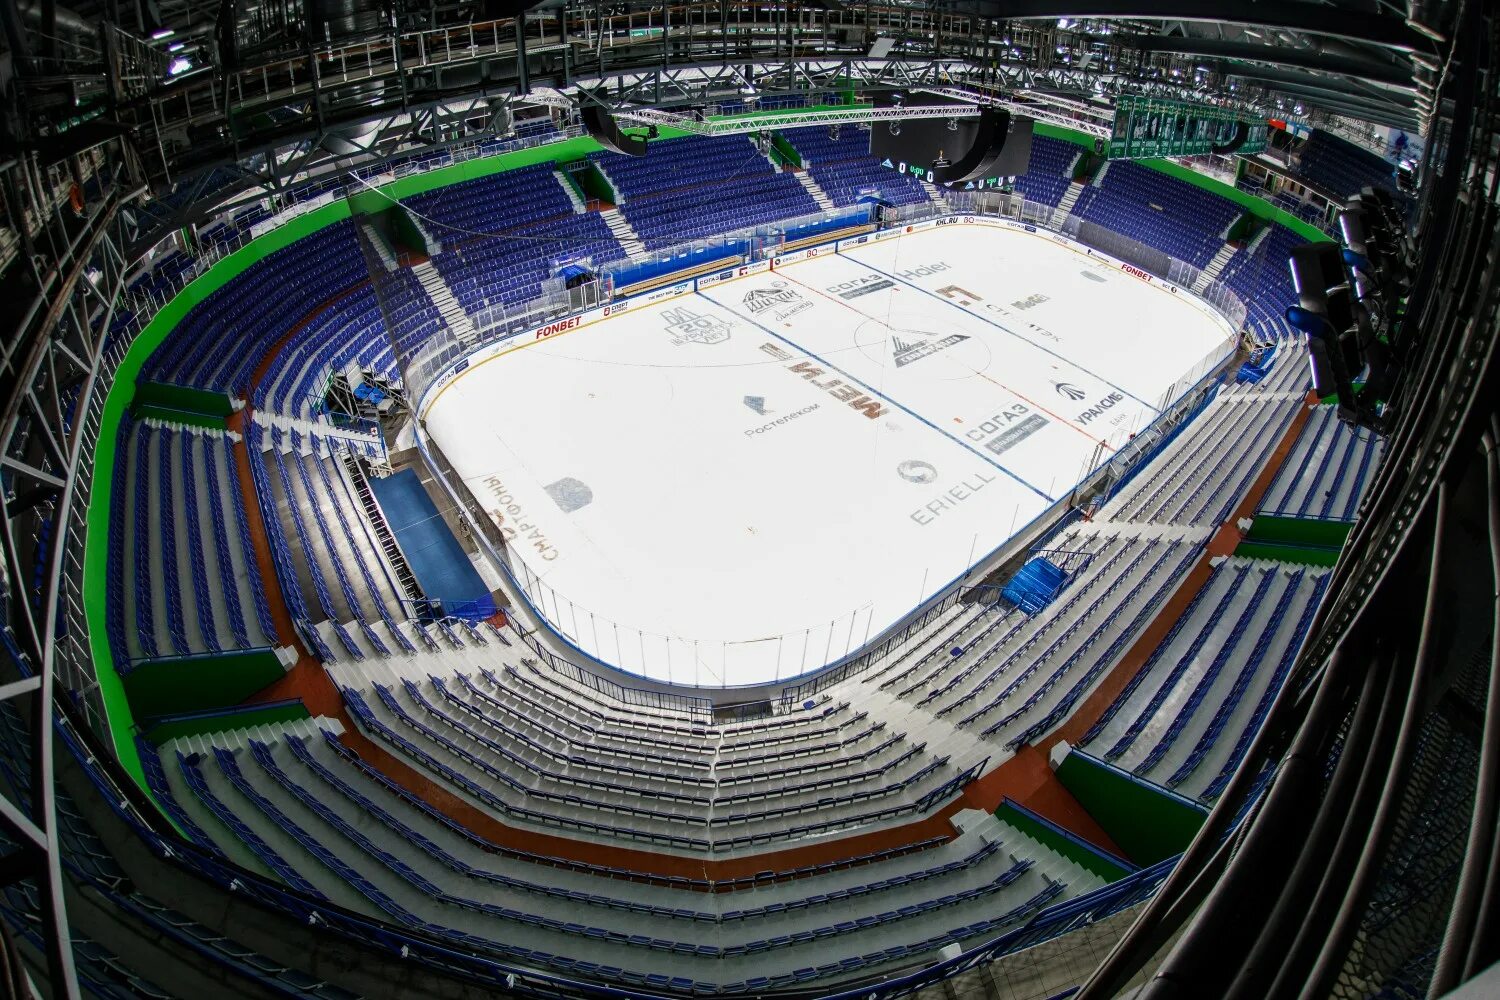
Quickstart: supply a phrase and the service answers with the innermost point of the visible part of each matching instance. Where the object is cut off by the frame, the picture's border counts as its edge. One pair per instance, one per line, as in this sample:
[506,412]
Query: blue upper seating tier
[1150,207]
[1341,168]
[844,165]
[1050,170]
[502,235]
[352,330]
[252,312]
[1263,281]
[685,189]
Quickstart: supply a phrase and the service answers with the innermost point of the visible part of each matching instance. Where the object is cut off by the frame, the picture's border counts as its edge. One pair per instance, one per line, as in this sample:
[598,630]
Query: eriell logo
[1068,390]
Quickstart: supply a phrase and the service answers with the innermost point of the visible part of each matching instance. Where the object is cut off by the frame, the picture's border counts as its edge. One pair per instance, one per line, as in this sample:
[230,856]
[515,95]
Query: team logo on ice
[916,471]
[775,296]
[687,327]
[914,345]
[1068,391]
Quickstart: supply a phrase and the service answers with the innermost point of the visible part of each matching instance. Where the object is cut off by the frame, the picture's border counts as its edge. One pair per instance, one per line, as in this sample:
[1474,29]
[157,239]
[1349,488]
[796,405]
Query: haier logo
[1068,391]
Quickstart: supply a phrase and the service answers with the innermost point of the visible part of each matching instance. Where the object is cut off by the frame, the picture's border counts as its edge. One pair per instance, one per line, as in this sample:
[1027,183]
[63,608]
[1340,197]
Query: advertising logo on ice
[687,327]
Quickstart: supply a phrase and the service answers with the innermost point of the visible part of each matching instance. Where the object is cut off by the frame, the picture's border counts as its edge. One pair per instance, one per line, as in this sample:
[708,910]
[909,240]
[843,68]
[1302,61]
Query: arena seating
[1050,170]
[260,306]
[1185,718]
[93,864]
[1326,474]
[502,233]
[1173,216]
[843,166]
[178,536]
[469,707]
[1339,167]
[349,331]
[684,189]
[292,800]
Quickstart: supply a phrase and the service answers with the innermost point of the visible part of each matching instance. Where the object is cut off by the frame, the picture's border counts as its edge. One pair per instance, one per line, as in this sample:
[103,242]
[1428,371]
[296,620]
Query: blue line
[875,392]
[1024,340]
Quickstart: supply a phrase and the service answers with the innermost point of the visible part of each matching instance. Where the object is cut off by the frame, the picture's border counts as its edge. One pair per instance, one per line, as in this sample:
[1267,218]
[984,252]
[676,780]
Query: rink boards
[743,478]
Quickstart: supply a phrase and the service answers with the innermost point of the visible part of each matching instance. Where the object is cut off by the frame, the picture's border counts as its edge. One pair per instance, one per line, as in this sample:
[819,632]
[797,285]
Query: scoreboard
[1147,127]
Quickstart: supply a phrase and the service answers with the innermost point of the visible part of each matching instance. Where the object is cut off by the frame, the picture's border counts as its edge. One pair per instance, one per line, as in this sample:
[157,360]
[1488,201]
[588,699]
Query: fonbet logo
[1132,269]
[687,327]
[915,470]
[542,333]
[1068,391]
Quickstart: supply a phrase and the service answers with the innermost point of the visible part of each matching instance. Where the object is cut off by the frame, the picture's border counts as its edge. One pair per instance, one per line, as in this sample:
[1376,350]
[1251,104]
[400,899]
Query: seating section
[89,861]
[329,562]
[293,799]
[179,536]
[685,189]
[260,306]
[479,714]
[1261,278]
[350,331]
[1175,217]
[1327,472]
[1186,719]
[1212,464]
[844,166]
[1341,168]
[1049,171]
[503,234]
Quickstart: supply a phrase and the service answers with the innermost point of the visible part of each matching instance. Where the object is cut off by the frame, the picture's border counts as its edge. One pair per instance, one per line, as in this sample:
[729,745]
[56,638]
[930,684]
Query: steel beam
[1318,58]
[1293,15]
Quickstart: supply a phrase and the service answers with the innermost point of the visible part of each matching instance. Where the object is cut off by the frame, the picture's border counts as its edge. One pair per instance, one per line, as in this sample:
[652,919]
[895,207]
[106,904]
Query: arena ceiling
[246,97]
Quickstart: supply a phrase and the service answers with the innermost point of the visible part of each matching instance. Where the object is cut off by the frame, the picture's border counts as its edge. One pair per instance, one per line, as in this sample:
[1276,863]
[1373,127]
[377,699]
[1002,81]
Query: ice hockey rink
[746,482]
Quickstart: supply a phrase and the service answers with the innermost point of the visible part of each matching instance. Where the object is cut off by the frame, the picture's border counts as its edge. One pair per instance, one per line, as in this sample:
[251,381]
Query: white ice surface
[721,545]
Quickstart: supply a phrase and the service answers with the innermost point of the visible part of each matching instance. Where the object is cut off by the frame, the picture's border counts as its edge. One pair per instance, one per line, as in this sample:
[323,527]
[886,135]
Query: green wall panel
[1301,555]
[199,683]
[171,727]
[1053,838]
[1299,531]
[1150,824]
[184,397]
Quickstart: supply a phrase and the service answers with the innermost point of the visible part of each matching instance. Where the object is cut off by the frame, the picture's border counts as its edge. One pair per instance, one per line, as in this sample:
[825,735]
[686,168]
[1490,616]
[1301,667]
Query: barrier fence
[849,643]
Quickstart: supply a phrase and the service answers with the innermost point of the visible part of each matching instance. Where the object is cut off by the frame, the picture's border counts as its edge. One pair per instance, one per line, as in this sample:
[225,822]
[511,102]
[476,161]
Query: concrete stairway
[579,206]
[1216,265]
[624,235]
[1066,205]
[814,190]
[442,296]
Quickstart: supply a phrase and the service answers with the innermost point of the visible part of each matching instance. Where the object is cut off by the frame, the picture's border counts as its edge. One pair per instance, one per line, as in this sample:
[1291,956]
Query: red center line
[1034,404]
